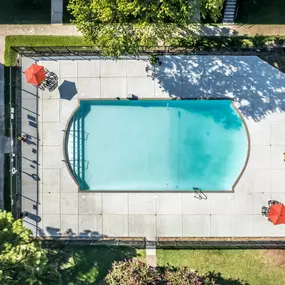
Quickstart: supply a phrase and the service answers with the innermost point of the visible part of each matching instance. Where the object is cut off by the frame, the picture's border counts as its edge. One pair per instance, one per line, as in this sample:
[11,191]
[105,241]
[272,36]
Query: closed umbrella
[276,214]
[35,74]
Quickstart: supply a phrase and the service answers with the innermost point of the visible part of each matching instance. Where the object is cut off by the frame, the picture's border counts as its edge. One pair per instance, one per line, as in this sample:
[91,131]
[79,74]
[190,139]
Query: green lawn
[36,41]
[25,12]
[261,12]
[237,267]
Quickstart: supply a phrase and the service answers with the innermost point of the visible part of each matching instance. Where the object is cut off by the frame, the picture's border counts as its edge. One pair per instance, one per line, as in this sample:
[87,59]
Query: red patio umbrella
[276,214]
[35,74]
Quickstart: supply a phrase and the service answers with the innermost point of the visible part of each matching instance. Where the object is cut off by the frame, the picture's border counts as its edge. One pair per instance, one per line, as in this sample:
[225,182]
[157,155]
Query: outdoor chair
[272,202]
[264,211]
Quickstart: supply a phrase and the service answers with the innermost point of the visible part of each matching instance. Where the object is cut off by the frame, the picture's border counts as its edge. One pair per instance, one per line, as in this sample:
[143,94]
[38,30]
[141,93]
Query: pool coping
[66,159]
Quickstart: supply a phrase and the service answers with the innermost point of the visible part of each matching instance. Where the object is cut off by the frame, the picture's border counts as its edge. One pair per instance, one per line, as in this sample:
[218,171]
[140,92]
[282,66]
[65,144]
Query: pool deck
[258,90]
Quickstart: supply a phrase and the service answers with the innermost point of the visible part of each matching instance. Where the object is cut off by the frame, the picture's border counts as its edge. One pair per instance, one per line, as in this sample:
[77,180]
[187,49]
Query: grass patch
[238,267]
[25,12]
[261,12]
[37,41]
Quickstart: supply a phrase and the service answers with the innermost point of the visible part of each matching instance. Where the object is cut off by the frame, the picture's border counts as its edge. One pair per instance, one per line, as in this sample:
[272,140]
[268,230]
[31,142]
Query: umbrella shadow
[67,90]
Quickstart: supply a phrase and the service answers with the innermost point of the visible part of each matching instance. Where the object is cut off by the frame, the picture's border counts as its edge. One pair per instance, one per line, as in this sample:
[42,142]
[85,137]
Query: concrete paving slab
[89,87]
[136,68]
[69,203]
[259,157]
[51,181]
[52,157]
[67,184]
[192,205]
[277,181]
[51,204]
[142,203]
[142,87]
[196,226]
[66,109]
[264,228]
[90,203]
[222,225]
[259,200]
[169,226]
[164,87]
[50,110]
[53,133]
[116,225]
[90,225]
[222,203]
[115,203]
[51,225]
[51,65]
[113,87]
[69,225]
[89,68]
[243,225]
[111,68]
[259,132]
[277,133]
[142,225]
[68,69]
[261,181]
[277,157]
[243,203]
[169,204]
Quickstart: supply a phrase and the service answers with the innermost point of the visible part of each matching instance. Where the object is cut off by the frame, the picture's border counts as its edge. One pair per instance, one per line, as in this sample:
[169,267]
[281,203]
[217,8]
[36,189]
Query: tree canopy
[22,259]
[122,27]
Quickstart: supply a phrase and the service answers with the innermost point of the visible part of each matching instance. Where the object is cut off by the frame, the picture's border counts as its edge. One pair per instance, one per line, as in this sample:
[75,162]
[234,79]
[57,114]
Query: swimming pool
[156,145]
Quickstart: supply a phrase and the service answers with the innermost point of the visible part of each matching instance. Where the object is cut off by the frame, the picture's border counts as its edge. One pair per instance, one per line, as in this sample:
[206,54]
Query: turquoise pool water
[159,145]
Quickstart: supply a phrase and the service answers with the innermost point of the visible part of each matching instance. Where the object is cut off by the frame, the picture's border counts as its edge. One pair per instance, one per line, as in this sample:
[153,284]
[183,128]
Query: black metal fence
[163,243]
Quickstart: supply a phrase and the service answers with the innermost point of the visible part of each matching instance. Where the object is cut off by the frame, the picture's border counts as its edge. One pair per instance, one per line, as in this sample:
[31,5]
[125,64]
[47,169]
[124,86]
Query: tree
[121,27]
[139,273]
[22,259]
[212,9]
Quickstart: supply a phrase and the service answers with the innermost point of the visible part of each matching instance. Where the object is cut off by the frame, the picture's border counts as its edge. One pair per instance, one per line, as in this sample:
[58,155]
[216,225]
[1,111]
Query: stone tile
[222,225]
[69,225]
[90,203]
[115,203]
[264,228]
[278,196]
[277,181]
[142,87]
[90,225]
[192,205]
[67,108]
[259,200]
[67,68]
[52,157]
[53,133]
[277,133]
[222,203]
[67,183]
[89,87]
[243,203]
[243,225]
[51,225]
[277,157]
[51,204]
[88,68]
[142,203]
[51,65]
[51,181]
[142,225]
[136,68]
[115,225]
[169,226]
[69,203]
[114,68]
[50,110]
[161,90]
[259,157]
[196,226]
[29,128]
[113,87]
[169,203]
